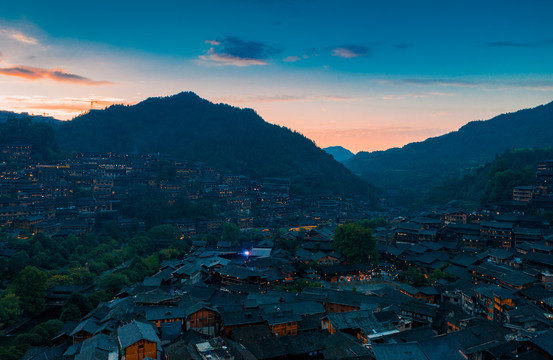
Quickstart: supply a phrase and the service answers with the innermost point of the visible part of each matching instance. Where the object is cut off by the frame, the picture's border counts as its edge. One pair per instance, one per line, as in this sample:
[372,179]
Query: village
[448,283]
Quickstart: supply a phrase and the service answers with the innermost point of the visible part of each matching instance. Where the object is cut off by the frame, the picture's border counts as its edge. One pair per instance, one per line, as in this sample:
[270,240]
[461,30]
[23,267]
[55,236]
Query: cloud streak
[20,37]
[59,75]
[237,52]
[25,39]
[291,59]
[441,82]
[531,84]
[350,51]
[520,44]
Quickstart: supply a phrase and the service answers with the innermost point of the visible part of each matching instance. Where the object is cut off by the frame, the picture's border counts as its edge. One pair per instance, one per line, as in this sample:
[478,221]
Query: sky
[365,75]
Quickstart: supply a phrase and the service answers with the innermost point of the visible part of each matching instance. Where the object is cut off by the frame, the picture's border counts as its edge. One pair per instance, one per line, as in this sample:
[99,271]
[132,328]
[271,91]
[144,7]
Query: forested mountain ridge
[493,182]
[420,166]
[186,126]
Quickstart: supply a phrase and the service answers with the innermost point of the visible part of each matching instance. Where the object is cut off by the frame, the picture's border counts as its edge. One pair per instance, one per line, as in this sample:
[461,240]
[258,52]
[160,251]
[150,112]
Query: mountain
[493,182]
[419,166]
[339,153]
[189,127]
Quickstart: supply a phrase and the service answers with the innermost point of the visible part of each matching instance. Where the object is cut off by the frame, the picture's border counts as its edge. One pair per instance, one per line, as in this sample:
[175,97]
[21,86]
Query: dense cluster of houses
[229,303]
[486,289]
[67,197]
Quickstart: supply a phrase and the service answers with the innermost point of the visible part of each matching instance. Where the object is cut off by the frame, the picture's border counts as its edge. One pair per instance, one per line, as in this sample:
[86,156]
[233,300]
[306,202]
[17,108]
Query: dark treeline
[494,181]
[41,136]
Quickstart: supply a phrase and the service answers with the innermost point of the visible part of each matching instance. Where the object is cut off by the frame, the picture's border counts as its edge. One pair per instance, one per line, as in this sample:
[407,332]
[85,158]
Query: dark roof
[302,308]
[410,351]
[536,292]
[496,225]
[544,341]
[238,272]
[156,297]
[463,260]
[353,320]
[241,317]
[505,274]
[204,293]
[458,271]
[417,249]
[479,337]
[136,331]
[310,323]
[343,346]
[416,334]
[281,317]
[266,348]
[432,245]
[419,307]
[98,347]
[531,355]
[251,333]
[165,313]
[351,298]
[442,347]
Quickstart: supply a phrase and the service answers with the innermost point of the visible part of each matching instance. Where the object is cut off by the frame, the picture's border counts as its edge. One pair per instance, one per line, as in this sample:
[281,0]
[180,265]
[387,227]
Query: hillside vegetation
[191,128]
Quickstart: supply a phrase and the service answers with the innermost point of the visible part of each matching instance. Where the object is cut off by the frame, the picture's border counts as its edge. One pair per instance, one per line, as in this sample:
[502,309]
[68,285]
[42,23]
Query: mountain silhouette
[422,165]
[191,128]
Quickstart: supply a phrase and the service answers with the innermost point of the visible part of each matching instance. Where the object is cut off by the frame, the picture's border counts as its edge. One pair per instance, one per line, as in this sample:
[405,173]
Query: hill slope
[493,182]
[422,165]
[339,153]
[186,126]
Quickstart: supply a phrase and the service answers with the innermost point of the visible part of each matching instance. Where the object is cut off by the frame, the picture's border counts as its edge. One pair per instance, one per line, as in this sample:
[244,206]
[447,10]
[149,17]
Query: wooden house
[138,340]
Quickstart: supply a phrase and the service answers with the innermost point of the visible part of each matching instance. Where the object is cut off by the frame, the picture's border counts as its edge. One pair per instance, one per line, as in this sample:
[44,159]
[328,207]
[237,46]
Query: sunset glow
[363,76]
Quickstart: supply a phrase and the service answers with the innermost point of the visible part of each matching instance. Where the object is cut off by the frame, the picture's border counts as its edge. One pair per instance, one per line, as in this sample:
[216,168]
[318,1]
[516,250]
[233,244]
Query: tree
[163,232]
[373,223]
[231,233]
[30,286]
[10,308]
[143,244]
[81,301]
[70,313]
[356,243]
[113,283]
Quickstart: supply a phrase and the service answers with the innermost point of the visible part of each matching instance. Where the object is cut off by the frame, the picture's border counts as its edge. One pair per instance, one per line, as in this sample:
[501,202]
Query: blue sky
[362,74]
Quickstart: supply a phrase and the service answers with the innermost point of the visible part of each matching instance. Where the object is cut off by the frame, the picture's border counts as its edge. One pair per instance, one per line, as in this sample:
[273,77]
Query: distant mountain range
[191,128]
[339,153]
[420,166]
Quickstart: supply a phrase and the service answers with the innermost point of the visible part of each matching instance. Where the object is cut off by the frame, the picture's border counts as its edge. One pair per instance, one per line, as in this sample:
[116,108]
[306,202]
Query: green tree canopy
[356,243]
[231,233]
[10,310]
[113,283]
[163,232]
[30,286]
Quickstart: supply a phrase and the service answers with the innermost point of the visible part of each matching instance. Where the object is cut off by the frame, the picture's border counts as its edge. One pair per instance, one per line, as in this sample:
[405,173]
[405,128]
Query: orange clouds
[16,35]
[61,108]
[24,38]
[33,73]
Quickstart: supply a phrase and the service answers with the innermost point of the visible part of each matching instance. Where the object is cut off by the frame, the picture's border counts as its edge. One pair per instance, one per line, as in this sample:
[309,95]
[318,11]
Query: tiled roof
[134,332]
